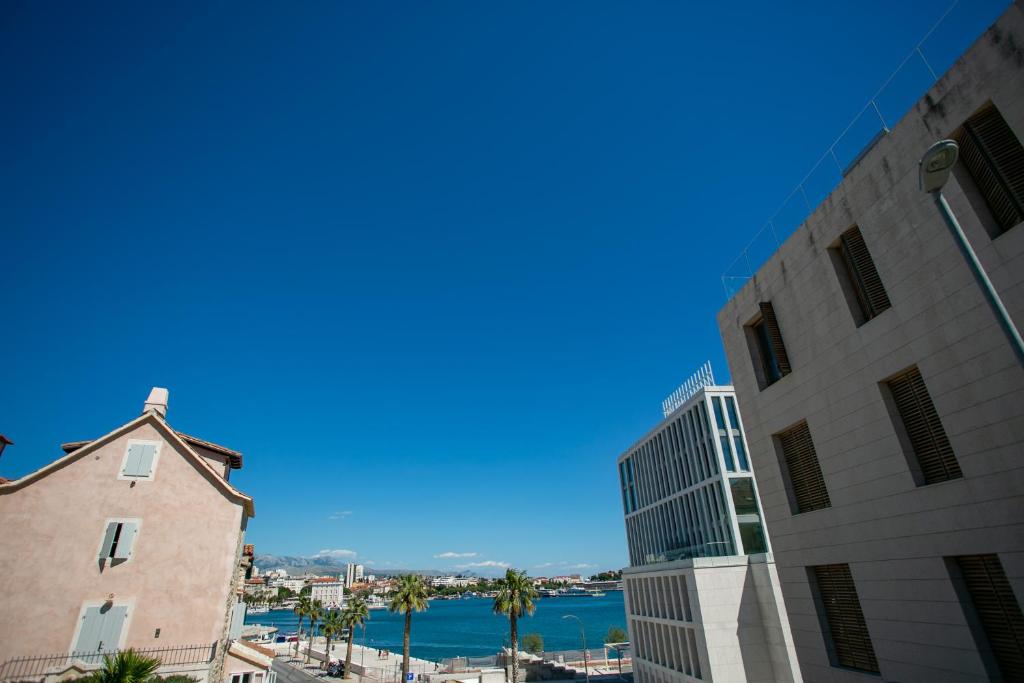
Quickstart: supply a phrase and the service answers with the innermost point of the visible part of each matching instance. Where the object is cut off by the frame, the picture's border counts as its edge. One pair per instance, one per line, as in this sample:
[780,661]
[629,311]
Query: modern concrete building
[702,597]
[886,403]
[131,540]
[353,573]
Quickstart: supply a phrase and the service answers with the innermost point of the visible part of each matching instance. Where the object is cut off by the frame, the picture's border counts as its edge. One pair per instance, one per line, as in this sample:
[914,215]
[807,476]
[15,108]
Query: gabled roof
[251,653]
[78,451]
[234,457]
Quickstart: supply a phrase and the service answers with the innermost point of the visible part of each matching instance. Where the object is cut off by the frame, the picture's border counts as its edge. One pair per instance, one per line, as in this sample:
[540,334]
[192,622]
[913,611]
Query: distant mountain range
[330,565]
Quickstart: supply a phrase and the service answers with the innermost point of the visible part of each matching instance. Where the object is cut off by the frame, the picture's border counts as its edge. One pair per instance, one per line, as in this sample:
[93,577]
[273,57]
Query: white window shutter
[108,540]
[131,463]
[145,466]
[126,540]
[237,620]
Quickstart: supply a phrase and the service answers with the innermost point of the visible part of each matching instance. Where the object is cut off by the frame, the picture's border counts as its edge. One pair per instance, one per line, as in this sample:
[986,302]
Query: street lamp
[934,169]
[583,636]
[362,652]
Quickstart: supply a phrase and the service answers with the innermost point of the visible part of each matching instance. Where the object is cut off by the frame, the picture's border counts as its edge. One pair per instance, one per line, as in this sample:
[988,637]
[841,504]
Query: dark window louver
[851,641]
[774,337]
[862,274]
[995,159]
[998,611]
[924,429]
[808,484]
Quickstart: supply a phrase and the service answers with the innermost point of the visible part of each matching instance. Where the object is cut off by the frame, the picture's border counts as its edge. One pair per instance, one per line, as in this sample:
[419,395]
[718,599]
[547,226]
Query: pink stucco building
[133,539]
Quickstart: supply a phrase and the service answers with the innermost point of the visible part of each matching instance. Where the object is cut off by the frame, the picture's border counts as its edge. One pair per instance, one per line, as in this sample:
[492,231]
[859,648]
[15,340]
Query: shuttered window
[927,438]
[100,630]
[995,159]
[807,485]
[997,610]
[862,275]
[138,461]
[850,640]
[118,540]
[770,349]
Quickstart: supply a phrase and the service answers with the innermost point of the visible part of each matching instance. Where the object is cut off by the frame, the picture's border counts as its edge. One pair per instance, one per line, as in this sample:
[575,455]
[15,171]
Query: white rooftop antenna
[704,377]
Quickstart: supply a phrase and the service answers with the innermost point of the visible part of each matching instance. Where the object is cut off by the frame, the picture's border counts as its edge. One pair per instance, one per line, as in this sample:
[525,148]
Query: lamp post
[583,637]
[362,652]
[934,170]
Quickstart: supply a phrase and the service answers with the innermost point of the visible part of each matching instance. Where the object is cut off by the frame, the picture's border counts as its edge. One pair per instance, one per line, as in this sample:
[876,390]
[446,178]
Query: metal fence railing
[35,667]
[573,658]
[943,43]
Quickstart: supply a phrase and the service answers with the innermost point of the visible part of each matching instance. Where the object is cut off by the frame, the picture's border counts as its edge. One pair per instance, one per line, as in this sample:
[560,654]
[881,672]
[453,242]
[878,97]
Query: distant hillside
[328,565]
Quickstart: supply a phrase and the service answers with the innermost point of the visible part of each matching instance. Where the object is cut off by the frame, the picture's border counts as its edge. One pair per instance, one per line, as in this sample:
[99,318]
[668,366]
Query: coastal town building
[452,581]
[353,573]
[701,592]
[330,592]
[885,403]
[141,533]
[294,585]
[569,578]
[249,663]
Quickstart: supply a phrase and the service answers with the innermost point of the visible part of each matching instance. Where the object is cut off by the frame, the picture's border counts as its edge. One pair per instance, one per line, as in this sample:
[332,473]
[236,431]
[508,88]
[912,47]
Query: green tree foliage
[616,635]
[332,627]
[126,666]
[533,643]
[607,576]
[315,614]
[410,596]
[355,615]
[301,610]
[515,597]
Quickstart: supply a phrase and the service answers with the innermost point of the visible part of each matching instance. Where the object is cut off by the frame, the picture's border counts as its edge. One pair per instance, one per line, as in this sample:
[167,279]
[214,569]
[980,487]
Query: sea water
[469,627]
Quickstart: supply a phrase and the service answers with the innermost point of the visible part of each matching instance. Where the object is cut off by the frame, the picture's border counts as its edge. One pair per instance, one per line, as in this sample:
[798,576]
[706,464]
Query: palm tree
[316,612]
[515,598]
[410,595]
[302,610]
[355,615]
[334,624]
[125,666]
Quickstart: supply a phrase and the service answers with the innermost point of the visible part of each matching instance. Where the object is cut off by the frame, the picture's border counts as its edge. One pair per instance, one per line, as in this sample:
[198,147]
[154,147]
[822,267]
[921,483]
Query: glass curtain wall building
[687,487]
[702,597]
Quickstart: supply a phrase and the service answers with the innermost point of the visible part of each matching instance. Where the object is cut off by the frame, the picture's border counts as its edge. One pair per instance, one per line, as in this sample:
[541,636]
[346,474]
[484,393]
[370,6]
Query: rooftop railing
[944,42]
[38,667]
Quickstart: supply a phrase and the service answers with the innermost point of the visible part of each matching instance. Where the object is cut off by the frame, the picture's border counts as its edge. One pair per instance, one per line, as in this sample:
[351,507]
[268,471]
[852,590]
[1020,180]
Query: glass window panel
[743,498]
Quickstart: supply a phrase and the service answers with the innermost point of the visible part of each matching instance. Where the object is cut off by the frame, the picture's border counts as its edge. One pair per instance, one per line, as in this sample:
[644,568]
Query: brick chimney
[157,402]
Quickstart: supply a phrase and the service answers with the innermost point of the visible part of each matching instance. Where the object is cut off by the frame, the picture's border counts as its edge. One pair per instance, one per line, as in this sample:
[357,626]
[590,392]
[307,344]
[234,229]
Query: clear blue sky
[430,266]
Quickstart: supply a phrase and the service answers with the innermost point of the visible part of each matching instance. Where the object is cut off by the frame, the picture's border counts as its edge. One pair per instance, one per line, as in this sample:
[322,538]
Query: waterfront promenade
[469,628]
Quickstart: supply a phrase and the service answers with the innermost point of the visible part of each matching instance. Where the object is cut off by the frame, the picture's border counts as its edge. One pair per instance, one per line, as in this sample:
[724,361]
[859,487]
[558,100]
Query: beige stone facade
[899,536]
[98,558]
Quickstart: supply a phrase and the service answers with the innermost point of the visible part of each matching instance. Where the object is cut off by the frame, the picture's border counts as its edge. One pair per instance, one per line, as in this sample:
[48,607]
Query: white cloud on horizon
[564,565]
[450,555]
[340,515]
[339,553]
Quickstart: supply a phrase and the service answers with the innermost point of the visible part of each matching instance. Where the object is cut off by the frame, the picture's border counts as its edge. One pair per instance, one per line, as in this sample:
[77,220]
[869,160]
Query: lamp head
[936,165]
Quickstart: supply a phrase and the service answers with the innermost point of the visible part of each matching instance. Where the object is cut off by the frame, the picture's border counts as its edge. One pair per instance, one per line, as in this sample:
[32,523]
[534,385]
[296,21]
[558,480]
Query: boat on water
[376,602]
[258,633]
[581,592]
[257,609]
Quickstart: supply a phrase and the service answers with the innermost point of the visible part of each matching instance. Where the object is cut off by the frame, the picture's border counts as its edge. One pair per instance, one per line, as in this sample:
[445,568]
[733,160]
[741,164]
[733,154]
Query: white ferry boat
[257,609]
[376,602]
[581,592]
